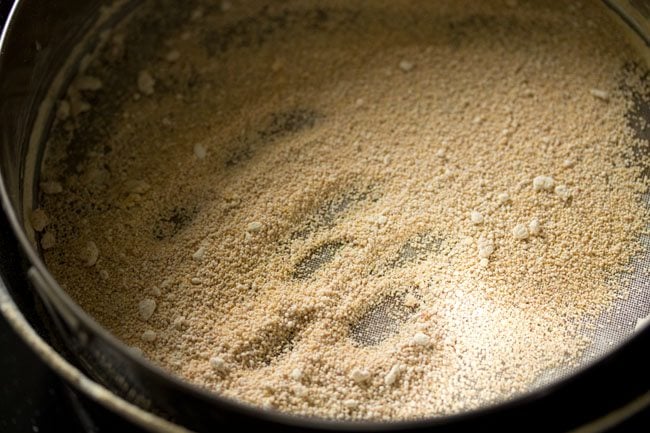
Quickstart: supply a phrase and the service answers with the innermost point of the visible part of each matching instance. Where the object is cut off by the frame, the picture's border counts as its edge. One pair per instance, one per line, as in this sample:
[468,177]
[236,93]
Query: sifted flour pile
[355,210]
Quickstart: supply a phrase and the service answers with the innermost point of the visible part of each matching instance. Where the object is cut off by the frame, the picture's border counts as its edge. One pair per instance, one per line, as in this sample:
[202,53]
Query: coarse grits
[355,210]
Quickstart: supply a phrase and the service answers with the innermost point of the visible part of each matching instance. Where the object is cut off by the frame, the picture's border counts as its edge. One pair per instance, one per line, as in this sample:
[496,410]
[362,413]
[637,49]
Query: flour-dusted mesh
[617,324]
[355,211]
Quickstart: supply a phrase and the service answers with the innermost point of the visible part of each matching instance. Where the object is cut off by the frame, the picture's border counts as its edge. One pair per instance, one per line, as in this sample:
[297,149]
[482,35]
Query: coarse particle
[146,83]
[51,187]
[226,6]
[406,66]
[300,390]
[350,403]
[421,339]
[87,83]
[218,364]
[146,307]
[296,373]
[380,220]
[137,186]
[563,192]
[196,281]
[503,197]
[600,94]
[149,336]
[534,227]
[254,227]
[89,254]
[520,232]
[179,322]
[410,300]
[197,14]
[200,151]
[476,217]
[103,274]
[39,220]
[485,247]
[360,375]
[199,254]
[392,375]
[543,183]
[172,56]
[568,163]
[48,240]
[63,110]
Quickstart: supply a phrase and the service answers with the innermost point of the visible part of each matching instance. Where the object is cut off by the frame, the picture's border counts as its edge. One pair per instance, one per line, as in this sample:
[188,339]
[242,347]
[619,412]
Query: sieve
[36,63]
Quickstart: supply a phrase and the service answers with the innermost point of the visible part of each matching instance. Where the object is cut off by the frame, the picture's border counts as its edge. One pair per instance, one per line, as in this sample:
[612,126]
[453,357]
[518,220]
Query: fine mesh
[385,317]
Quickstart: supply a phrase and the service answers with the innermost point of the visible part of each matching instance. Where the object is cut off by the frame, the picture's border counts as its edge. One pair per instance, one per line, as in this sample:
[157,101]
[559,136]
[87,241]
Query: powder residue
[357,212]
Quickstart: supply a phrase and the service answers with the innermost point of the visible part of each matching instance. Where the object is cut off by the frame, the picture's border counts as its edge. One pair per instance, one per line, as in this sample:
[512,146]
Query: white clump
[520,232]
[137,186]
[136,350]
[503,197]
[296,373]
[421,339]
[218,363]
[63,110]
[90,254]
[172,56]
[380,220]
[179,322]
[476,217]
[149,336]
[48,240]
[410,300]
[534,227]
[563,192]
[146,83]
[642,323]
[406,66]
[350,404]
[301,390]
[146,307]
[392,375]
[441,153]
[199,254]
[543,183]
[200,151]
[485,247]
[568,163]
[600,94]
[39,220]
[197,14]
[51,187]
[254,227]
[360,375]
[87,83]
